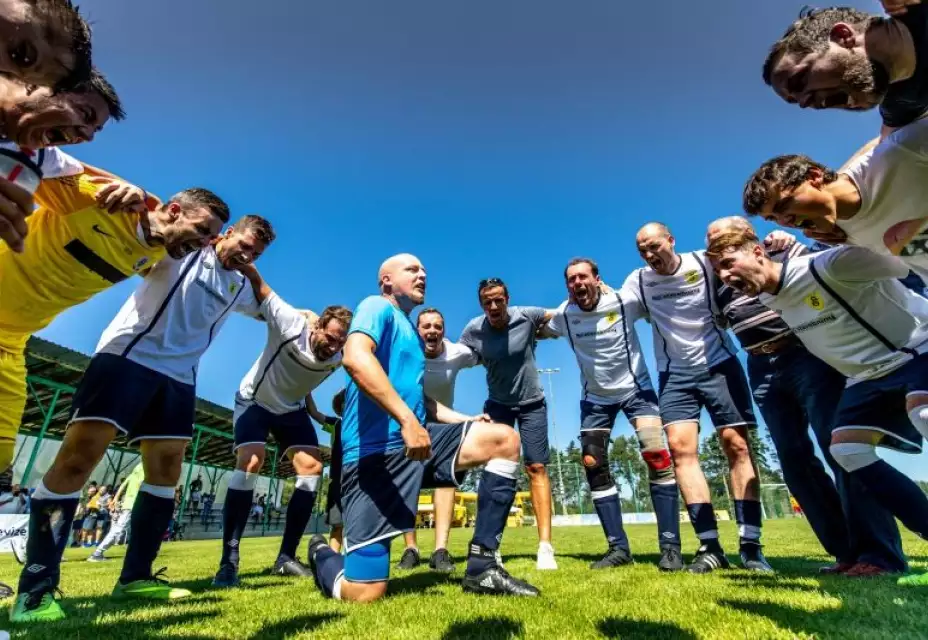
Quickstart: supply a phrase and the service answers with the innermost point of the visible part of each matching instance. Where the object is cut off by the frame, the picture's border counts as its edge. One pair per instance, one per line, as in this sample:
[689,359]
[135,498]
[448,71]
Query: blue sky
[489,138]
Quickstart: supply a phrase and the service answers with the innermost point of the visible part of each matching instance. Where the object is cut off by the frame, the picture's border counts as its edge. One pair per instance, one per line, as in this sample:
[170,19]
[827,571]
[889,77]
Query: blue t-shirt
[366,428]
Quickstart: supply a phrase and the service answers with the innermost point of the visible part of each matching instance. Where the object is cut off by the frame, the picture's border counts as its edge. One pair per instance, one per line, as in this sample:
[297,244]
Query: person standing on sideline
[124,500]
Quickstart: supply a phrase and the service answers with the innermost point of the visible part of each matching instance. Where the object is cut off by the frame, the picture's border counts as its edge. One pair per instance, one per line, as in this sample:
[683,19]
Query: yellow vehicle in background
[464,516]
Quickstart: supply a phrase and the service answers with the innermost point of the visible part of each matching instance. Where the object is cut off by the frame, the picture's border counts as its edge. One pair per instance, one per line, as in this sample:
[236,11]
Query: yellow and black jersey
[73,251]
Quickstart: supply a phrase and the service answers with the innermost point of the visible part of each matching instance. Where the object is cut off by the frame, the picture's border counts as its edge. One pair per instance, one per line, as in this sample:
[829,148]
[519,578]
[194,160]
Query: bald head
[656,246]
[396,263]
[653,230]
[402,277]
[728,224]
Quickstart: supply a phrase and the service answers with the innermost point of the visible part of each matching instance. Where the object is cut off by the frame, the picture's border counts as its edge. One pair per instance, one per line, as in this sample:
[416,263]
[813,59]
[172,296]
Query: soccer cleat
[496,581]
[153,588]
[286,566]
[226,577]
[441,561]
[545,560]
[752,558]
[913,580]
[615,557]
[315,543]
[97,557]
[671,559]
[838,568]
[709,557]
[499,558]
[39,605]
[410,559]
[867,570]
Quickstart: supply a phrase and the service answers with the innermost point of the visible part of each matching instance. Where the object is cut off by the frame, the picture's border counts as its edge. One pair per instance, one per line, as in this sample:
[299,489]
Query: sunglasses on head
[491,282]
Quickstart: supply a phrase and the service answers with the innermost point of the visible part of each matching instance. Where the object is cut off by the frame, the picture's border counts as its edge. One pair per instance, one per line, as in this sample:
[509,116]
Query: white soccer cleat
[546,561]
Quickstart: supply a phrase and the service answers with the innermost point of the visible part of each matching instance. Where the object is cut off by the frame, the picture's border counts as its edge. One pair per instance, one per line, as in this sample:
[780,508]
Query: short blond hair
[732,239]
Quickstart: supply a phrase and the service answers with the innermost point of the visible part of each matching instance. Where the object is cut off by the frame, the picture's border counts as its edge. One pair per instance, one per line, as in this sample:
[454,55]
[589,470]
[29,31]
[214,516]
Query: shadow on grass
[485,628]
[421,583]
[628,628]
[286,628]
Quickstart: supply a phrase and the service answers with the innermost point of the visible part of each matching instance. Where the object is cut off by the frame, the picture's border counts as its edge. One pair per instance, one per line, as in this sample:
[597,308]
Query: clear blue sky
[489,138]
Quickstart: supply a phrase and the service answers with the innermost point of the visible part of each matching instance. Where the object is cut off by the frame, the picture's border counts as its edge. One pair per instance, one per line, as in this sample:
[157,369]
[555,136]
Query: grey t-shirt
[508,355]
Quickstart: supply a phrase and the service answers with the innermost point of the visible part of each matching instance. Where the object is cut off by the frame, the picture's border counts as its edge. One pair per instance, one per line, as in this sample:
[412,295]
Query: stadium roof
[53,368]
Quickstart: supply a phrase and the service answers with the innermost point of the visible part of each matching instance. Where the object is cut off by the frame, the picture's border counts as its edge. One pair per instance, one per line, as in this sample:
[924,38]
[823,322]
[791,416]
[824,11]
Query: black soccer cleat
[496,581]
[615,557]
[752,558]
[671,559]
[226,577]
[441,561]
[709,557]
[287,566]
[409,560]
[315,543]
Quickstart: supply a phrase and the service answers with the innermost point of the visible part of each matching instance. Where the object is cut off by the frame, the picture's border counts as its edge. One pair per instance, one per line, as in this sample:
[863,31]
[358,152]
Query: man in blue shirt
[388,455]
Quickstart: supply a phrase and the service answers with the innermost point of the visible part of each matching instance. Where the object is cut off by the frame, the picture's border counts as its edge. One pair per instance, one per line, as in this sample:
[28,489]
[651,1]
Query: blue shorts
[140,402]
[722,389]
[879,405]
[601,417]
[252,424]
[380,493]
[532,419]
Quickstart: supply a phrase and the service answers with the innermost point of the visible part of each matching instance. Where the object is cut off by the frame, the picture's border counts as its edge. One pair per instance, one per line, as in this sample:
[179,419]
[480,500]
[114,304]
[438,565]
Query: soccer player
[848,309]
[443,361]
[141,382]
[333,498]
[601,330]
[879,202]
[795,389]
[388,455]
[698,369]
[275,397]
[124,500]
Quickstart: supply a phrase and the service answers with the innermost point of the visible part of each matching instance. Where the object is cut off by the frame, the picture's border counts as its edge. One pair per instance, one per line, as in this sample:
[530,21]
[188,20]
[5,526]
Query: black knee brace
[594,448]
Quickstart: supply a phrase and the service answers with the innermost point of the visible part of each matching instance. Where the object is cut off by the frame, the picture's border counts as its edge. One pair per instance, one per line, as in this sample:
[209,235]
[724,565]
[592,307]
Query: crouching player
[388,455]
[275,398]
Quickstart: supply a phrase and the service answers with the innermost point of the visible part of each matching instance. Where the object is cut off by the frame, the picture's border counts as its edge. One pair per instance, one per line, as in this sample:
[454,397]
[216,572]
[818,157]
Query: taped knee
[370,563]
[919,417]
[594,449]
[852,456]
[655,454]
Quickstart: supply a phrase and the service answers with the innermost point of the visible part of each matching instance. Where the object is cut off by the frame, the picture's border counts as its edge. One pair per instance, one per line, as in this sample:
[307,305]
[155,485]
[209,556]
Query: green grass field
[631,602]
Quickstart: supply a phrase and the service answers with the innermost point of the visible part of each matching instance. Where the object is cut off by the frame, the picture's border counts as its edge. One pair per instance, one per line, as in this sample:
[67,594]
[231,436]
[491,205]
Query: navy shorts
[380,493]
[140,402]
[601,417]
[532,420]
[333,499]
[722,389]
[879,405]
[252,424]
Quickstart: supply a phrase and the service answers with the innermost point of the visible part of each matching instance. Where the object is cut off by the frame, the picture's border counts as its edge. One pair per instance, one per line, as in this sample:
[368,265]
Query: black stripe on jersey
[267,367]
[863,323]
[644,301]
[241,287]
[570,339]
[709,291]
[23,159]
[192,260]
[628,353]
[87,257]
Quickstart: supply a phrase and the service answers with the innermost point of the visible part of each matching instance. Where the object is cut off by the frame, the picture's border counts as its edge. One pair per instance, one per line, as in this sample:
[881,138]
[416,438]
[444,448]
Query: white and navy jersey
[175,314]
[287,369]
[441,372]
[606,345]
[51,162]
[849,309]
[684,314]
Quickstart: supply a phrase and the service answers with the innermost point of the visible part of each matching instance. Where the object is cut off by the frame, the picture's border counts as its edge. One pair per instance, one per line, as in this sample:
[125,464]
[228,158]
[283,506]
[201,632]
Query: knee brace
[919,417]
[852,456]
[594,447]
[370,563]
[655,454]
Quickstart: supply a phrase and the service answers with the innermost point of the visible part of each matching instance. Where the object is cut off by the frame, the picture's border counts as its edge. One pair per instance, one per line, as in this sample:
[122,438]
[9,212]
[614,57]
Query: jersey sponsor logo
[828,319]
[677,294]
[203,285]
[691,277]
[97,228]
[815,301]
[233,286]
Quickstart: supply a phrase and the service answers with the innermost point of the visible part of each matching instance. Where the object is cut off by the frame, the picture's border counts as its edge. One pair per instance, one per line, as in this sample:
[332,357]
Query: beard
[868,77]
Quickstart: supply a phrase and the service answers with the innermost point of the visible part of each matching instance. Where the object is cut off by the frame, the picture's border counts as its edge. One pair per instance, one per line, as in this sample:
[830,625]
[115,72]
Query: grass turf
[630,602]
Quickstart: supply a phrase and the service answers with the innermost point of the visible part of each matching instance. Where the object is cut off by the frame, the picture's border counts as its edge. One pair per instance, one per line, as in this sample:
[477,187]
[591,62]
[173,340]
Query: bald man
[794,389]
[698,369]
[388,455]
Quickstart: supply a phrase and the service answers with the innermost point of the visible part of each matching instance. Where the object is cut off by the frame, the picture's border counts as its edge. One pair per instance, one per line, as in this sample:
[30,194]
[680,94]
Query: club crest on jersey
[232,287]
[691,277]
[139,264]
[612,317]
[815,301]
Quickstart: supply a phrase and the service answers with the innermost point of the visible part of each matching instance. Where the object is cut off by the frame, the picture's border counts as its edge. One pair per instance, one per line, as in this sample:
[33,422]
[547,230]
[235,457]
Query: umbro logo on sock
[233,543]
[35,568]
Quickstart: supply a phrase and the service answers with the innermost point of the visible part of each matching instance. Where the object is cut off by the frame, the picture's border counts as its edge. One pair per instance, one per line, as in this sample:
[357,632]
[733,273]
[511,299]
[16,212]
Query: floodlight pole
[560,475]
[49,414]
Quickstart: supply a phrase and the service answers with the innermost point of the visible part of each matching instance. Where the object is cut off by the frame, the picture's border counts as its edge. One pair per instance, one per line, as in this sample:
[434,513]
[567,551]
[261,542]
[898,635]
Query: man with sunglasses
[504,338]
[275,397]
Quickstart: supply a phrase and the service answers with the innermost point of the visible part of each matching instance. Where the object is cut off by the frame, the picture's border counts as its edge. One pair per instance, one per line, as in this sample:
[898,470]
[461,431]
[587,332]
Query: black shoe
[410,559]
[441,561]
[671,559]
[615,557]
[709,557]
[315,543]
[752,558]
[496,581]
[227,576]
[287,566]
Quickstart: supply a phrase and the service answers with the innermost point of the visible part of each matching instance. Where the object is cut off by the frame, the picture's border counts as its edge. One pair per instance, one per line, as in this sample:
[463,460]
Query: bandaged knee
[919,417]
[594,449]
[852,456]
[655,454]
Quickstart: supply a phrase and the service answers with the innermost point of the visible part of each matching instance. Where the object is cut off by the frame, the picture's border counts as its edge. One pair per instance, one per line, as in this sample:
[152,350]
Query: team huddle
[836,335]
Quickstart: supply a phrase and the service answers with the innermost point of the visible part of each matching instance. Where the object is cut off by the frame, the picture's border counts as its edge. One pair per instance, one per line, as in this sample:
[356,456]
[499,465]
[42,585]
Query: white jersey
[174,315]
[849,309]
[684,314]
[893,183]
[441,372]
[287,369]
[51,161]
[606,345]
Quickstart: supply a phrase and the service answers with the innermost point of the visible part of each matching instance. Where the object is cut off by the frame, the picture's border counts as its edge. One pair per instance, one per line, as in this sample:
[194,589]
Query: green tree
[714,465]
[630,472]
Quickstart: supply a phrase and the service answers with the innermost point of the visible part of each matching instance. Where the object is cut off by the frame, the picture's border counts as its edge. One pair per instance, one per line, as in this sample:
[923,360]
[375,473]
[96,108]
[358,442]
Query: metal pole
[560,475]
[267,499]
[38,443]
[190,465]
